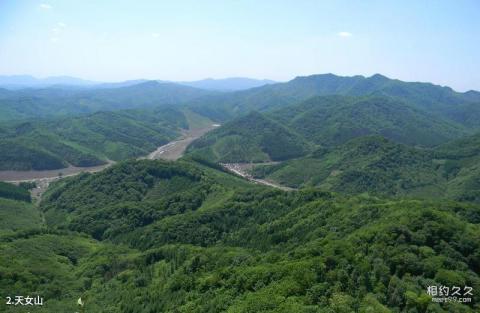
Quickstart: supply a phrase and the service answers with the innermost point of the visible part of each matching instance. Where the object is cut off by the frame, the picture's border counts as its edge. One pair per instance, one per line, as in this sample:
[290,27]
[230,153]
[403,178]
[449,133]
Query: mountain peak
[379,77]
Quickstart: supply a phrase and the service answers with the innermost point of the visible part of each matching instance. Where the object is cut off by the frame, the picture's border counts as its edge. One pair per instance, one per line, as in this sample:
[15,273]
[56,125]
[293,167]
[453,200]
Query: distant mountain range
[27,81]
[380,165]
[227,84]
[427,96]
[50,102]
[292,119]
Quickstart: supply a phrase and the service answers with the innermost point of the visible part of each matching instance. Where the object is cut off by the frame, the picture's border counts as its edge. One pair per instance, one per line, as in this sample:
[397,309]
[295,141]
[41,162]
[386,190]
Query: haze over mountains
[441,100]
[228,84]
[319,110]
[26,81]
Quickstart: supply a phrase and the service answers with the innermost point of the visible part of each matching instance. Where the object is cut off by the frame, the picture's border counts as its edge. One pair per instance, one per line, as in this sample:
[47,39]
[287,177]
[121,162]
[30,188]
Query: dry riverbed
[242,169]
[171,151]
[175,149]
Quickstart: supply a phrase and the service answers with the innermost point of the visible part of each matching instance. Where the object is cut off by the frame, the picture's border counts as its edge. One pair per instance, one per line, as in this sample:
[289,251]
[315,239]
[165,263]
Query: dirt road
[242,170]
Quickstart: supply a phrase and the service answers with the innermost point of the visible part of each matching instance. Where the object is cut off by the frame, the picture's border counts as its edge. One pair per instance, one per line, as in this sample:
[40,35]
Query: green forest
[383,205]
[184,237]
[89,140]
[251,138]
[375,165]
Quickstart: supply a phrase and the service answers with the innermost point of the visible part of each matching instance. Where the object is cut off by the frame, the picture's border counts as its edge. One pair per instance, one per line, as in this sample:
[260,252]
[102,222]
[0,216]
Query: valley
[175,149]
[324,192]
[171,151]
[239,156]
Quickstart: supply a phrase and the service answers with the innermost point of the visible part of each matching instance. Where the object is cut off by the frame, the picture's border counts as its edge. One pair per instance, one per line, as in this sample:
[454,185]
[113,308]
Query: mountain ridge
[427,96]
[219,84]
[228,84]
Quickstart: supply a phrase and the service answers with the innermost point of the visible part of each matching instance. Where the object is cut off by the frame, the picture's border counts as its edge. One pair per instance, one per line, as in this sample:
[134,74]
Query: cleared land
[242,169]
[175,149]
[19,176]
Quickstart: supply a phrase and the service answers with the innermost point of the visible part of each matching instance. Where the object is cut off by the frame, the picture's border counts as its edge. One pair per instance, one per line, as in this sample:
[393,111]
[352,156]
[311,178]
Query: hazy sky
[112,40]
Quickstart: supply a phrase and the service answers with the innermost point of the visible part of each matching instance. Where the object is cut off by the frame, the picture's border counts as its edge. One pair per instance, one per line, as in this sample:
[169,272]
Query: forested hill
[367,164]
[338,144]
[298,115]
[381,166]
[333,120]
[153,236]
[463,108]
[48,102]
[88,140]
[326,121]
[378,166]
[251,138]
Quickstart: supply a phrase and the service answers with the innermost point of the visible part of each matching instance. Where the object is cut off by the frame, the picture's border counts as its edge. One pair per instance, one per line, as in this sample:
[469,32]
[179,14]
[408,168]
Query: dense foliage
[252,138]
[325,121]
[10,191]
[181,237]
[379,166]
[439,102]
[462,159]
[334,120]
[186,236]
[87,140]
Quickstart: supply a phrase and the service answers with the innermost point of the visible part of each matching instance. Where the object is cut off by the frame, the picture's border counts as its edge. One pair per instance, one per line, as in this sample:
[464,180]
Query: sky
[114,40]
